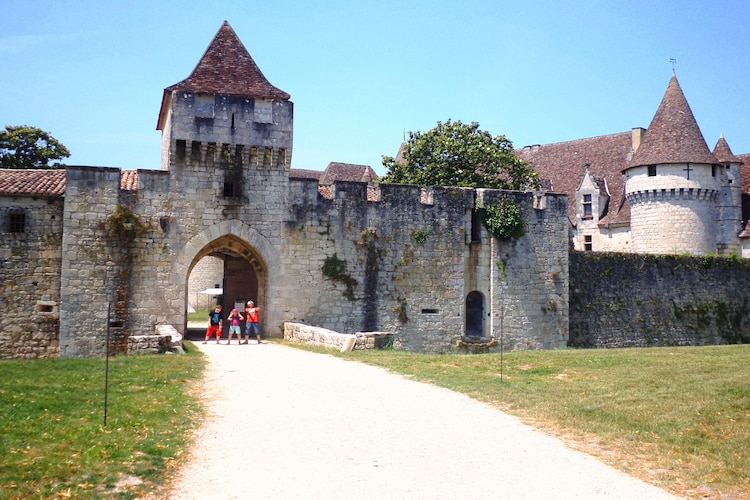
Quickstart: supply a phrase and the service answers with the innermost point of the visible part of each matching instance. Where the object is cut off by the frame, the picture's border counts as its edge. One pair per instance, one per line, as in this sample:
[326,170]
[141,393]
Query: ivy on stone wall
[502,219]
[124,225]
[334,269]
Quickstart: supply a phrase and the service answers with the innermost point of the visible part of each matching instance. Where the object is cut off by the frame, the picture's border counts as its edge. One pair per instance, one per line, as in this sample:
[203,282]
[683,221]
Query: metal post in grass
[106,368]
[502,317]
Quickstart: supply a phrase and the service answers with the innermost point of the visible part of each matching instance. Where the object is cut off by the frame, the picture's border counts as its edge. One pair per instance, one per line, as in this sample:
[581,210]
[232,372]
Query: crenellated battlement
[184,153]
[697,194]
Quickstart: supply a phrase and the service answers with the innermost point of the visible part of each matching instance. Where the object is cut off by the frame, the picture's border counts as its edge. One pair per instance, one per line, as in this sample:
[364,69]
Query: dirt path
[285,423]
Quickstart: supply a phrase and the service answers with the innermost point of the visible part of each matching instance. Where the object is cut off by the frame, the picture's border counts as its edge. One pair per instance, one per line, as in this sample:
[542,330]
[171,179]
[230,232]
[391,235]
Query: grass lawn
[676,417]
[53,442]
[199,315]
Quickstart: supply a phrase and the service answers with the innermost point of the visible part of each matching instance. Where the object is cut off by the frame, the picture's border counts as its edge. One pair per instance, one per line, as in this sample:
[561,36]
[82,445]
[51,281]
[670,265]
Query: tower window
[587,243]
[263,111]
[232,185]
[713,170]
[587,207]
[652,170]
[17,221]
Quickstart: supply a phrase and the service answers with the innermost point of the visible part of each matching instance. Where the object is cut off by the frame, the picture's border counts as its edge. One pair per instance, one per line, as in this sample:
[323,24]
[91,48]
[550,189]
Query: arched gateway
[246,255]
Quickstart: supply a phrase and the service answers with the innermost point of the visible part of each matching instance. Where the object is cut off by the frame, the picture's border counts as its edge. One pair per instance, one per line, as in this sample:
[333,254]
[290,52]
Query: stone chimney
[637,135]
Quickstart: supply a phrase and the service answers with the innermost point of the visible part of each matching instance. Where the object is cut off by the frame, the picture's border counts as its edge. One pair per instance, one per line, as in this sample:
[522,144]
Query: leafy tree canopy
[29,147]
[457,154]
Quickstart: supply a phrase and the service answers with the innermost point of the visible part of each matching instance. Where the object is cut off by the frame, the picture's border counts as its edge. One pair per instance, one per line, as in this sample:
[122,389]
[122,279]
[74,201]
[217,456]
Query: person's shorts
[213,330]
[252,328]
[234,329]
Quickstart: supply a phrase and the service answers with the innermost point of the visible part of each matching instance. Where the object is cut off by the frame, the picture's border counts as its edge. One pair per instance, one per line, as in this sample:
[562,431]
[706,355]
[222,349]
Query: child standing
[214,324]
[234,319]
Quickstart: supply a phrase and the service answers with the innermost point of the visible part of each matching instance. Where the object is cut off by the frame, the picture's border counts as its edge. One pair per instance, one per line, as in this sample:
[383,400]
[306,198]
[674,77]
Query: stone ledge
[313,335]
[165,339]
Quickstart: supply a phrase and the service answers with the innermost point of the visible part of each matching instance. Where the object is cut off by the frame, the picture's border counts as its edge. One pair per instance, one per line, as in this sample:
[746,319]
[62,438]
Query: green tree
[29,147]
[457,154]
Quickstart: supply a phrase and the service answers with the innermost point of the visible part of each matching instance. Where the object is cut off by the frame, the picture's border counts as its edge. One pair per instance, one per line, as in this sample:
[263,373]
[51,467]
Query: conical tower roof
[723,153]
[673,136]
[227,68]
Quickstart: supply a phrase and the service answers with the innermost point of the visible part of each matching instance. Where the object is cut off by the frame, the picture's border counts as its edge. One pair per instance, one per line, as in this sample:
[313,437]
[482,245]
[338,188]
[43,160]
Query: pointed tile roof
[227,68]
[723,153]
[673,136]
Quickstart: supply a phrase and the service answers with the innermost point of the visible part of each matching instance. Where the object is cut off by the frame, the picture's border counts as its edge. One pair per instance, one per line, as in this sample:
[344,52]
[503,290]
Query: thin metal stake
[106,369]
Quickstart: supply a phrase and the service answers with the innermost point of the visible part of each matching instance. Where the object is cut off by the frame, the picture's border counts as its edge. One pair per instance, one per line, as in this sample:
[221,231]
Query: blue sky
[363,74]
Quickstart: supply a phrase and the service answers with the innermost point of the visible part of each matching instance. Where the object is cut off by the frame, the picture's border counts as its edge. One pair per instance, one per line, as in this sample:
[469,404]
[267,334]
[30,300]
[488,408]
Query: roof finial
[673,61]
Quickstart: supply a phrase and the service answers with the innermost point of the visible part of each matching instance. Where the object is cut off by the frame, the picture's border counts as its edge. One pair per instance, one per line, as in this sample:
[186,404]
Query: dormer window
[587,207]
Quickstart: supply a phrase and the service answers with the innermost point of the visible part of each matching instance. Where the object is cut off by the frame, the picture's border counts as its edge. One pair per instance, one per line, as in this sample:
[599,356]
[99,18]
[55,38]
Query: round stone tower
[672,183]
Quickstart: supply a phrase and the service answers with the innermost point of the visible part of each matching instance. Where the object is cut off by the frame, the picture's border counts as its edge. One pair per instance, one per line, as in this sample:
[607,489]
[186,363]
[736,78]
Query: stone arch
[234,240]
[474,309]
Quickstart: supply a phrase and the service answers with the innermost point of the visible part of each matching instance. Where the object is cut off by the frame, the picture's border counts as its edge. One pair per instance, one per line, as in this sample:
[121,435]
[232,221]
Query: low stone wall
[298,332]
[166,339]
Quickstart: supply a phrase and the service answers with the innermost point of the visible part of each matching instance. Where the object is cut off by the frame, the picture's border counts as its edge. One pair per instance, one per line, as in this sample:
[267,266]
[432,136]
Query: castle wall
[627,300]
[30,265]
[92,265]
[405,267]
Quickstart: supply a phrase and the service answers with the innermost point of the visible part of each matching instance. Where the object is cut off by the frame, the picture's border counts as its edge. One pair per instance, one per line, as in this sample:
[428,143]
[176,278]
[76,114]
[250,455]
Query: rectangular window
[587,244]
[713,170]
[17,221]
[204,106]
[229,189]
[587,210]
[652,170]
[263,111]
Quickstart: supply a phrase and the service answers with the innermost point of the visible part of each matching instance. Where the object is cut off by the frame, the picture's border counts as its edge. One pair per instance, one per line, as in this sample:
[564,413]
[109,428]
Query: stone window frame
[588,243]
[16,221]
[588,207]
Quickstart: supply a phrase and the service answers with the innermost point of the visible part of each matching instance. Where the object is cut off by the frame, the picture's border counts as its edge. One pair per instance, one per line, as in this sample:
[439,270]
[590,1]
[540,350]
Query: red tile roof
[129,180]
[722,152]
[227,68]
[49,182]
[32,182]
[673,136]
[336,171]
[302,173]
[563,164]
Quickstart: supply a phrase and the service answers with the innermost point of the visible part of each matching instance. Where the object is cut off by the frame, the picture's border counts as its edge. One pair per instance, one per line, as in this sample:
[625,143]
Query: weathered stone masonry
[627,300]
[400,283]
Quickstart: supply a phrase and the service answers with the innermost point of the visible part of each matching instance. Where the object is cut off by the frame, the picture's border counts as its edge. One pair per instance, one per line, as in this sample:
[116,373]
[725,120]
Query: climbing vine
[124,225]
[334,269]
[502,219]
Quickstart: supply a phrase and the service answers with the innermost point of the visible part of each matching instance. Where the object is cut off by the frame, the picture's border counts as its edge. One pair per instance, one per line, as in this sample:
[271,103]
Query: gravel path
[285,423]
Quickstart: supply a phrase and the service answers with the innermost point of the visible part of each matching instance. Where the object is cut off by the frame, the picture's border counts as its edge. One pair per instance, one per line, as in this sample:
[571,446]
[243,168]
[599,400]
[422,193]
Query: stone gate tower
[226,112]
